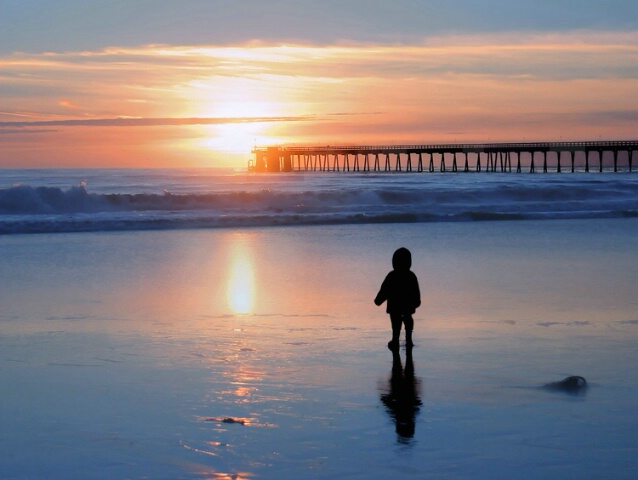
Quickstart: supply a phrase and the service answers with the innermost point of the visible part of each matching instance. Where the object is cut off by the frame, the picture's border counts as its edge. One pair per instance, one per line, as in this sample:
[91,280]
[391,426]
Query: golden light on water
[241,282]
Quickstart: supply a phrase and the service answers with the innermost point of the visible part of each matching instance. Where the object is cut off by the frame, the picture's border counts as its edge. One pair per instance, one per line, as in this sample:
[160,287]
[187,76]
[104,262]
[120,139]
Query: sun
[246,108]
[236,138]
[231,137]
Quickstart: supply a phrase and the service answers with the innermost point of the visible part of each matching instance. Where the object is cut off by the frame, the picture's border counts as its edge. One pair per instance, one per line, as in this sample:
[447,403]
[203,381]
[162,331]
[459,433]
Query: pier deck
[465,157]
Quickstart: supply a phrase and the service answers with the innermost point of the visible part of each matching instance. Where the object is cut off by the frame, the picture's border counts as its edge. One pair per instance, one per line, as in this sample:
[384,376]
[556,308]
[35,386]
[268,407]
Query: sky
[194,83]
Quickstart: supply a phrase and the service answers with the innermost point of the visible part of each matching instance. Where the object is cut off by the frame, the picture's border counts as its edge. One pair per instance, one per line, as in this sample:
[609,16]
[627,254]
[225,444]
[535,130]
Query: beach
[207,212]
[259,353]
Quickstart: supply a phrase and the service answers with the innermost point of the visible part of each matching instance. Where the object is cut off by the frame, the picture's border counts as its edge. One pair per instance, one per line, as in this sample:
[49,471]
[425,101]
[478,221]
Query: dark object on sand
[240,421]
[233,420]
[573,384]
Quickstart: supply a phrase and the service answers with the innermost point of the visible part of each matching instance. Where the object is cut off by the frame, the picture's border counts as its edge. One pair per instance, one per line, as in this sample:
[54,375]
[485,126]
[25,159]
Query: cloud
[18,131]
[148,122]
[68,104]
[491,87]
[553,55]
[274,80]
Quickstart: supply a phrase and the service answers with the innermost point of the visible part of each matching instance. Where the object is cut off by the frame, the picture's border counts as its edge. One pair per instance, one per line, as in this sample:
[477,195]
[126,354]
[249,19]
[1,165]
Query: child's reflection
[401,397]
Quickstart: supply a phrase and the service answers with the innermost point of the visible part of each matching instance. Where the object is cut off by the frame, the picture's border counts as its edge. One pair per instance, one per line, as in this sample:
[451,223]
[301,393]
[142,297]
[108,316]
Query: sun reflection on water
[241,281]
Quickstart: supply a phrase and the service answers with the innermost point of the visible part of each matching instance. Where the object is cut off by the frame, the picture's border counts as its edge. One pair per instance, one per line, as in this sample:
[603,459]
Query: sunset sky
[164,83]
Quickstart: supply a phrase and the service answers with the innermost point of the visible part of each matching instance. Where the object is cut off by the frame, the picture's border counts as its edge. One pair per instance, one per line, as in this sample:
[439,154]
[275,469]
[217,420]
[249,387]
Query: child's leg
[396,327]
[409,326]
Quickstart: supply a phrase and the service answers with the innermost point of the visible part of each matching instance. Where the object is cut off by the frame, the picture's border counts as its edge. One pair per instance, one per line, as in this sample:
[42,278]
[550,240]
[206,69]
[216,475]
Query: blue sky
[64,25]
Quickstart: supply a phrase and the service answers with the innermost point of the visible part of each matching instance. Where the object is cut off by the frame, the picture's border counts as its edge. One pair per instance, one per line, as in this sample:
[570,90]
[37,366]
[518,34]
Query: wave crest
[26,209]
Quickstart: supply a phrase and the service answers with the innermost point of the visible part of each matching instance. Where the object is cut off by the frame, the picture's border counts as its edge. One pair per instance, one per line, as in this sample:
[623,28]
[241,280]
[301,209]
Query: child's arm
[416,294]
[382,296]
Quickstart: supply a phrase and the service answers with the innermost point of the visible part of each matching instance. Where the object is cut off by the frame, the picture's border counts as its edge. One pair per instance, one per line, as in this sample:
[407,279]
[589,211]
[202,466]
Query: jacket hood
[402,259]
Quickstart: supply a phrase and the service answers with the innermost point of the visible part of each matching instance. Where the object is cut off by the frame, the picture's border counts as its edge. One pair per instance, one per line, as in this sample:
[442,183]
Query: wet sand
[259,353]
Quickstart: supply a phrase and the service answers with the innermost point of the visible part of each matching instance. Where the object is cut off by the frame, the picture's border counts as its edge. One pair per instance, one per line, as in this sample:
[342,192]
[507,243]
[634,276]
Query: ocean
[213,324]
[41,201]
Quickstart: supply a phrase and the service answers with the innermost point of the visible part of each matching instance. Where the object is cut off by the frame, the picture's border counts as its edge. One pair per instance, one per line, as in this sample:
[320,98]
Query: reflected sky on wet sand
[260,352]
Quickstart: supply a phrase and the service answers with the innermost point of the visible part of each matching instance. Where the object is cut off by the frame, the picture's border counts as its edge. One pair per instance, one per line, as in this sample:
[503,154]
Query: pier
[489,157]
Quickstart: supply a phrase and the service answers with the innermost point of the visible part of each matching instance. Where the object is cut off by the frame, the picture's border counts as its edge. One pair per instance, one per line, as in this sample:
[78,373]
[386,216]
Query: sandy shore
[259,353]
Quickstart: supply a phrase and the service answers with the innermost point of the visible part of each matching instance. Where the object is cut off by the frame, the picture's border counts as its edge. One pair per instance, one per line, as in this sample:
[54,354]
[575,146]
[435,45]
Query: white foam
[176,199]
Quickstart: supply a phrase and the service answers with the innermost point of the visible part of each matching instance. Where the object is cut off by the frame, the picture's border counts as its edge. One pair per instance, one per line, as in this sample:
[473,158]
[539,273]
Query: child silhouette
[400,289]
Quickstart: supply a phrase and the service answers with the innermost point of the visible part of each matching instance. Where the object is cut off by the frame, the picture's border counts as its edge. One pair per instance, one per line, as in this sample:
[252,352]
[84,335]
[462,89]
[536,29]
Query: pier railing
[466,157]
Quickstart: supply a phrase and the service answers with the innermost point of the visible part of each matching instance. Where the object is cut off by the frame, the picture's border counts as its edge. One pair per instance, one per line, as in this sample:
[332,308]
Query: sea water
[107,200]
[137,350]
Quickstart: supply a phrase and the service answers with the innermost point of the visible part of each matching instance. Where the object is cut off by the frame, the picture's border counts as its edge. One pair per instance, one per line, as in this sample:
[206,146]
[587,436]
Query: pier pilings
[492,157]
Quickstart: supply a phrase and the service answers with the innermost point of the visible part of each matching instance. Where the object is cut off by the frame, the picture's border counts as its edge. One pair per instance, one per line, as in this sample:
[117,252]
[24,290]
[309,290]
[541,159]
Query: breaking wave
[29,209]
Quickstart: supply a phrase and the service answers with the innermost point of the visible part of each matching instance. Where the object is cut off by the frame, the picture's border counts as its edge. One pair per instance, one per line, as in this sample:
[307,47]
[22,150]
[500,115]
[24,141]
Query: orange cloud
[68,104]
[466,88]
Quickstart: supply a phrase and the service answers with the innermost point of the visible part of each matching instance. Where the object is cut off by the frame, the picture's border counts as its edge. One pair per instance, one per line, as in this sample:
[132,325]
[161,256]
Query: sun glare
[239,104]
[232,137]
[236,138]
[241,282]
[233,97]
